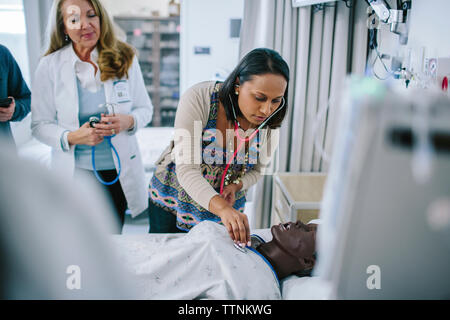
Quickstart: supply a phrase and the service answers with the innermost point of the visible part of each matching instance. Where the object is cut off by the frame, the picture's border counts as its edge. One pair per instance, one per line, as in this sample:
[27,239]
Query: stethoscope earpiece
[265,121]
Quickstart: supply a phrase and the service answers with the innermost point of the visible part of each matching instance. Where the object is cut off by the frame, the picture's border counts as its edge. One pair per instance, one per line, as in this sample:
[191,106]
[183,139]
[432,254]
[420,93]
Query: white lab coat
[54,105]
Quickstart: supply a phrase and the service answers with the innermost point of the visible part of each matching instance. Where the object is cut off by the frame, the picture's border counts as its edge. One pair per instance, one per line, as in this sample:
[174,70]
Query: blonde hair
[114,56]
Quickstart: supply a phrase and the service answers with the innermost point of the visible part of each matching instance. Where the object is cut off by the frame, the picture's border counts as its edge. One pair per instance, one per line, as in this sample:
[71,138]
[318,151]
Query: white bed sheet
[202,264]
[292,287]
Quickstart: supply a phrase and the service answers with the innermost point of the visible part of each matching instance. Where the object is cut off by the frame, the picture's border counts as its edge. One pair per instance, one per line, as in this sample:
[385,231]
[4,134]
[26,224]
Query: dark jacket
[12,84]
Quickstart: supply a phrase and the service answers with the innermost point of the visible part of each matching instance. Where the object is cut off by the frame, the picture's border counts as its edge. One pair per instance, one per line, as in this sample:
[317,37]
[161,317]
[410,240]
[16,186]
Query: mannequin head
[292,249]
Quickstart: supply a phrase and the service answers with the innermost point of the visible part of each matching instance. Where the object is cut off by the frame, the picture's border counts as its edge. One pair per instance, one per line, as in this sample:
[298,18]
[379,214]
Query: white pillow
[305,288]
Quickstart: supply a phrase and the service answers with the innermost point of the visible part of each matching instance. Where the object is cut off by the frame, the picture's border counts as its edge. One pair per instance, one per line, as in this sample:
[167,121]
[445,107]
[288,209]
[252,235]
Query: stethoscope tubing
[118,162]
[242,141]
[110,108]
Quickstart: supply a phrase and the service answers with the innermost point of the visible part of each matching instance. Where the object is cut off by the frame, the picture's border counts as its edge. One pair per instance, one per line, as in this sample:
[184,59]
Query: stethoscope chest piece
[241,249]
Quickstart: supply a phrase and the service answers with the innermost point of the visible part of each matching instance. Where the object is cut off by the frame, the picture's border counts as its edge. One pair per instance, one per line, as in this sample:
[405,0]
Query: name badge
[121,91]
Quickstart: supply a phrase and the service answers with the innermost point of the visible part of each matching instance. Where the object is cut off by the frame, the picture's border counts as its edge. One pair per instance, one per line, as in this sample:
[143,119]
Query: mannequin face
[298,241]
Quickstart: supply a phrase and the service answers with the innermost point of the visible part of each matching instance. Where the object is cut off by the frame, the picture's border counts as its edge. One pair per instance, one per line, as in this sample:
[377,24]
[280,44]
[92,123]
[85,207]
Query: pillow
[305,288]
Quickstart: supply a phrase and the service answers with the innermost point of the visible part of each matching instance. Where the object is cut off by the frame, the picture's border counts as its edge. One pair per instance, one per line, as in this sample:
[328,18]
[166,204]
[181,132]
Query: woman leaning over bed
[185,188]
[85,67]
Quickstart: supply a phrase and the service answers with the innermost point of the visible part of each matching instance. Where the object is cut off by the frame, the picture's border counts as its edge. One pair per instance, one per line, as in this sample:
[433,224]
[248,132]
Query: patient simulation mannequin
[205,264]
[292,249]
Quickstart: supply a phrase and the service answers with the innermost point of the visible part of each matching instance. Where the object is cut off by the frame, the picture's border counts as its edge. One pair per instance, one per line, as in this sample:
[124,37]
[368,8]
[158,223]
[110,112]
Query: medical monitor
[385,230]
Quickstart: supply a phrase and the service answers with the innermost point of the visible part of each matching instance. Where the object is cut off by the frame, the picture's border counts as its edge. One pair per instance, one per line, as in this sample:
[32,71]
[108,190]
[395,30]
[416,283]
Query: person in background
[12,86]
[85,67]
[55,236]
[183,191]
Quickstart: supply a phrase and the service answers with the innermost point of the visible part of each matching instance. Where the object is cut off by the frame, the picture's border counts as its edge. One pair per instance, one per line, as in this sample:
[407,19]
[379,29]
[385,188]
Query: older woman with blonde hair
[87,72]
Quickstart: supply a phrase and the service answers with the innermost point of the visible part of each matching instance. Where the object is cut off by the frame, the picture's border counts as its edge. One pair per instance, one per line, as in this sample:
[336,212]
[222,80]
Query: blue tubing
[118,160]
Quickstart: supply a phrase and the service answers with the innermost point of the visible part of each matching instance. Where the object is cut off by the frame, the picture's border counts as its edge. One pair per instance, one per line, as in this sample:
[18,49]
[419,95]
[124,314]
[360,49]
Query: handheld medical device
[92,122]
[6,102]
[237,126]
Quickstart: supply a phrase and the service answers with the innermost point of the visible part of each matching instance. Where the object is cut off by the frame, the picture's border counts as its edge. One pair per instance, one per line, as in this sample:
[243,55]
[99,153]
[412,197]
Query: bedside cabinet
[296,196]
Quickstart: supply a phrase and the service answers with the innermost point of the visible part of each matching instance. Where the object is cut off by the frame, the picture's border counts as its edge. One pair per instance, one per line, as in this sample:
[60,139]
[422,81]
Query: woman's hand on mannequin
[113,124]
[235,221]
[84,135]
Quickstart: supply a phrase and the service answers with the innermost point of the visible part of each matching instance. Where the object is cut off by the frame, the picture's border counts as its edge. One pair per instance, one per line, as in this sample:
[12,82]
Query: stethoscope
[244,250]
[92,122]
[237,126]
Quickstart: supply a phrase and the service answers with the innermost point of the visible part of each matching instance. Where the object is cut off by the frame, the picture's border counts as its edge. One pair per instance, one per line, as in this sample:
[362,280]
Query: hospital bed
[54,236]
[138,252]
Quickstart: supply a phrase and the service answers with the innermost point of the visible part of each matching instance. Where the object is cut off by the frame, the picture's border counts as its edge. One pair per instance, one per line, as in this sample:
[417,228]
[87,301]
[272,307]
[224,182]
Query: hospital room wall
[205,24]
[13,33]
[430,25]
[428,31]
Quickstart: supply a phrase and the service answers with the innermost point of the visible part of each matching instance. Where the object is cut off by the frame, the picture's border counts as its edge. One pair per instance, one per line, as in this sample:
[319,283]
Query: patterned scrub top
[166,192]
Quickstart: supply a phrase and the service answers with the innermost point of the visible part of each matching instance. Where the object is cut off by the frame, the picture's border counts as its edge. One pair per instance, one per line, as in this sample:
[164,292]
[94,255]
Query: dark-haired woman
[223,140]
[85,67]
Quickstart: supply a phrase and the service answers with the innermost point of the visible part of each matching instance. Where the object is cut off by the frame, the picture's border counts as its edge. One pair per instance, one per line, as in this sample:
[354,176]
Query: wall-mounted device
[397,18]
